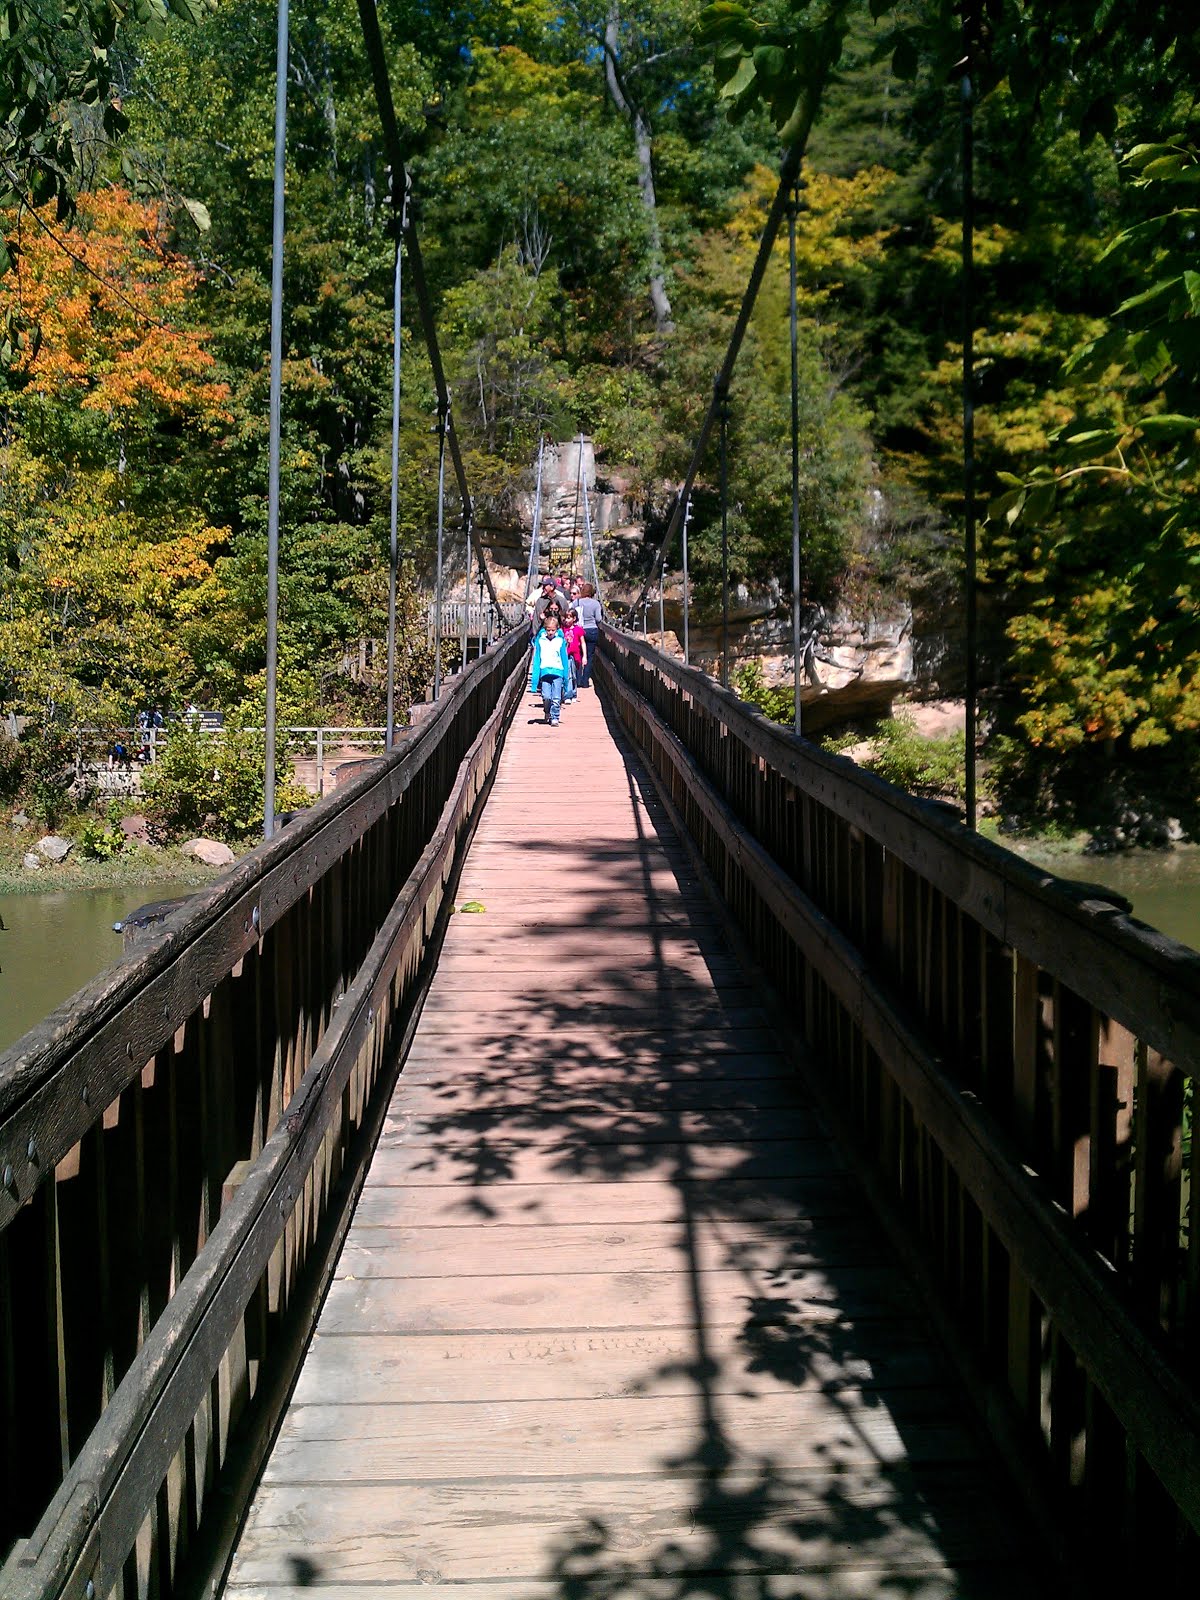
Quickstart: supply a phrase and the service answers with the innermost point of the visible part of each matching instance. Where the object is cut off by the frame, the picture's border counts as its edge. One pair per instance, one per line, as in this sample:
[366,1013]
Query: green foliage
[935,768]
[203,782]
[12,768]
[777,702]
[102,840]
[47,757]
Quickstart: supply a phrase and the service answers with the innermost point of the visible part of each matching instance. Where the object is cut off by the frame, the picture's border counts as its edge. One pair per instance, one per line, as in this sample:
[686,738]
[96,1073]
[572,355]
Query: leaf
[1088,443]
[770,63]
[1039,502]
[198,211]
[472,905]
[740,81]
[1191,282]
[1006,507]
[1167,425]
[1158,291]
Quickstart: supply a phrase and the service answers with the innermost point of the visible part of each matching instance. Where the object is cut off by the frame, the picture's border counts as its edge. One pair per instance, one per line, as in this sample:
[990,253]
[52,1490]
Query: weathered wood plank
[751,1247]
[789,1296]
[369,1534]
[632,1201]
[604,1364]
[806,1432]
[496,1161]
[556,1123]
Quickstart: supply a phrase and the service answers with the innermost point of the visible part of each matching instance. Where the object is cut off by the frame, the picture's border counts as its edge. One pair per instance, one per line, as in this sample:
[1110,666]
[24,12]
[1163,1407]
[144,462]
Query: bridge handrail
[238,1001]
[995,1042]
[1142,978]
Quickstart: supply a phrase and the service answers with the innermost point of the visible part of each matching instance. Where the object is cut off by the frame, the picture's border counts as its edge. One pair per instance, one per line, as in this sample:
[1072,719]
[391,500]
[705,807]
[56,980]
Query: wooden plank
[965,1580]
[368,1534]
[558,1123]
[632,1201]
[746,1052]
[496,1162]
[610,1300]
[343,1368]
[612,1438]
[575,1087]
[515,1250]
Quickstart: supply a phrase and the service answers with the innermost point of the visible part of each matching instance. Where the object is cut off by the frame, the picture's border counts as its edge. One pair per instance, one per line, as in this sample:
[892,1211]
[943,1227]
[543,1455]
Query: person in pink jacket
[573,637]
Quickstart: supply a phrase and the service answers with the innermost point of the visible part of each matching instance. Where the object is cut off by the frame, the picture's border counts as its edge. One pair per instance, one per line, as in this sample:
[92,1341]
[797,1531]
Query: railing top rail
[1141,978]
[245,902]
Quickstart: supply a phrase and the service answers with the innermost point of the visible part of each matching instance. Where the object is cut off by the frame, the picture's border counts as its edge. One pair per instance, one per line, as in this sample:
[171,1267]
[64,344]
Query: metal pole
[724,420]
[662,579]
[466,616]
[536,536]
[687,517]
[575,518]
[320,762]
[281,68]
[441,533]
[794,318]
[394,551]
[968,395]
[587,533]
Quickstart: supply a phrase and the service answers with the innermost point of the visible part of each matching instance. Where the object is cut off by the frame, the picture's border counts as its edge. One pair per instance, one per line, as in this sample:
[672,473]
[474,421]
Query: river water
[53,943]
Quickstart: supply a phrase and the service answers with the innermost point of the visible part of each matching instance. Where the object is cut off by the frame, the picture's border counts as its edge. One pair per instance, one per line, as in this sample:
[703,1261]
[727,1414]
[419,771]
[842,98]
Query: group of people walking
[566,632]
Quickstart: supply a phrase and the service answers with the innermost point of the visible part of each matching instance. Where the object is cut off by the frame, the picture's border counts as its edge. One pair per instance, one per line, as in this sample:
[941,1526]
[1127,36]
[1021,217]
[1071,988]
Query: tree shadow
[781,1426]
[660,1067]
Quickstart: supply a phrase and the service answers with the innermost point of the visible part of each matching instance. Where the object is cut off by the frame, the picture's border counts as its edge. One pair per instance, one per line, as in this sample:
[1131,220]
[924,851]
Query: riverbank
[137,865]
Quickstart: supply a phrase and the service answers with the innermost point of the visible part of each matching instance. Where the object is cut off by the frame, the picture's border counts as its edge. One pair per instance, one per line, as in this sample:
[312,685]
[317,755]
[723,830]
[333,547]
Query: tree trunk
[643,143]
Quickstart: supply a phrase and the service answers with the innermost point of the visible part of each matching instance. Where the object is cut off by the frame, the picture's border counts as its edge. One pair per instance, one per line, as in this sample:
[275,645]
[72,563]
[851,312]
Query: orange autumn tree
[103,313]
[115,410]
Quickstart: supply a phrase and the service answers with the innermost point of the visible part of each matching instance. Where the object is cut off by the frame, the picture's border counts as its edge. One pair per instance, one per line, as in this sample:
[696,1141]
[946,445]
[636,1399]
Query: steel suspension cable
[969,38]
[724,420]
[794,329]
[394,518]
[536,535]
[275,405]
[591,548]
[373,40]
[443,430]
[789,172]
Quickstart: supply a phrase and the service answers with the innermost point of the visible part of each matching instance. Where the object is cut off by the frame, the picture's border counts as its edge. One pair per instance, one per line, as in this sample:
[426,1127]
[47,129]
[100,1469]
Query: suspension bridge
[653,1158]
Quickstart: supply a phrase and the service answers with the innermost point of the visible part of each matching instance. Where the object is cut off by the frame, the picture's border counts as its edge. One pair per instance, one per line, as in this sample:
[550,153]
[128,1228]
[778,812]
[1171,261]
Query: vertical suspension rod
[535,537]
[281,66]
[373,41]
[794,329]
[443,420]
[394,519]
[724,421]
[788,173]
[969,37]
[687,603]
[591,547]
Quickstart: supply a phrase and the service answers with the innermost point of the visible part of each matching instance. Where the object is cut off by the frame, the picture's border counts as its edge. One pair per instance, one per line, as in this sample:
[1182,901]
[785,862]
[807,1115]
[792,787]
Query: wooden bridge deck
[611,1318]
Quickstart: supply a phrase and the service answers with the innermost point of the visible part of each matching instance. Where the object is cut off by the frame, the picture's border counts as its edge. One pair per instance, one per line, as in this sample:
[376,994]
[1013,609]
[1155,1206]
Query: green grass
[136,864]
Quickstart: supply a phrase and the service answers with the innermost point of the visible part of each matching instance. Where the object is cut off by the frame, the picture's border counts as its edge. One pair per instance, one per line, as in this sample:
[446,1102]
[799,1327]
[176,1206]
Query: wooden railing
[1016,1060]
[180,1144]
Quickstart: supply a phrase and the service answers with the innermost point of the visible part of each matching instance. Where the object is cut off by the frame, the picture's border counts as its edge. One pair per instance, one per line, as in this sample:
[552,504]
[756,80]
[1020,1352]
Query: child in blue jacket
[550,667]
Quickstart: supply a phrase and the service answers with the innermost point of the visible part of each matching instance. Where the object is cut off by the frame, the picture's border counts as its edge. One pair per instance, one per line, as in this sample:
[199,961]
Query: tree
[110,389]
